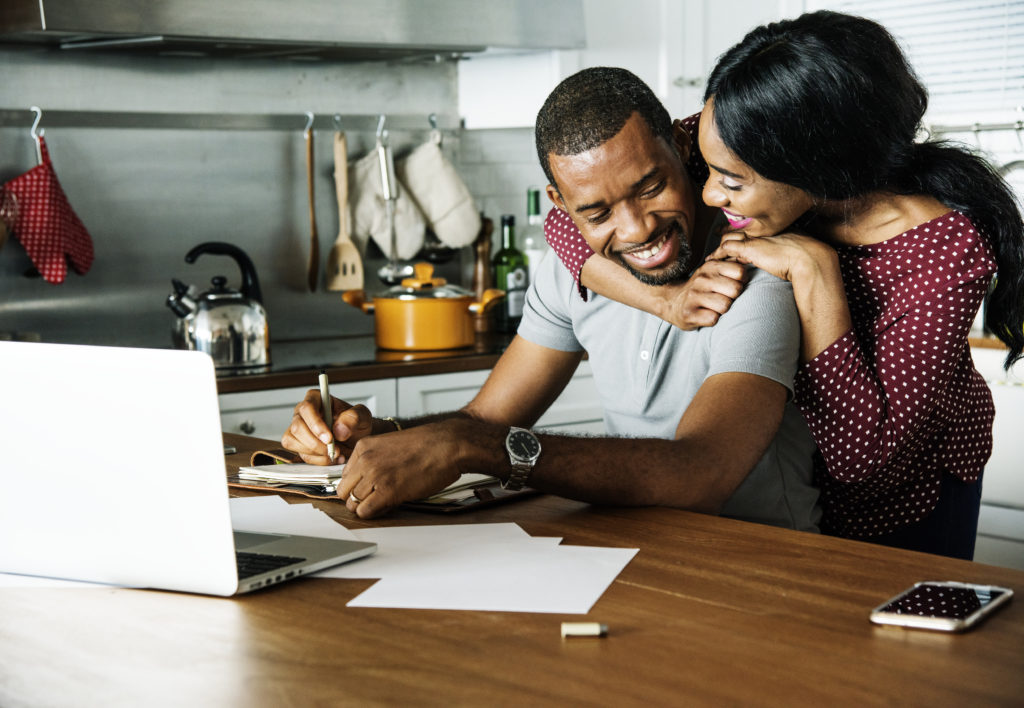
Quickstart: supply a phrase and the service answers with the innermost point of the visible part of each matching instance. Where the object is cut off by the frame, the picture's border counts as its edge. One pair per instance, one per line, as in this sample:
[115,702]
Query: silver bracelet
[398,426]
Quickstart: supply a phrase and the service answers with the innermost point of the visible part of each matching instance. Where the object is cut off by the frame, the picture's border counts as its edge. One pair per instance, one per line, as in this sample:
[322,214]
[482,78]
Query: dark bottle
[510,275]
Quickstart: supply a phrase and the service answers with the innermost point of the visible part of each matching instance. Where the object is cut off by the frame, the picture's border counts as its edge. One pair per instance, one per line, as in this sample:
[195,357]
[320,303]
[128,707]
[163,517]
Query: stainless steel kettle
[229,325]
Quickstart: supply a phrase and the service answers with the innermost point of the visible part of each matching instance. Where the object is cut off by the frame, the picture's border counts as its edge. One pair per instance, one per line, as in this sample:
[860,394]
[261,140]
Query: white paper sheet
[414,550]
[522,578]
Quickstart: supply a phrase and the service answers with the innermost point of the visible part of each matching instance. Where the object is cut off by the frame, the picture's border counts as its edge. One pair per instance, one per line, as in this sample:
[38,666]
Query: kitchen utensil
[313,268]
[368,212]
[390,273]
[229,325]
[344,264]
[424,312]
[8,214]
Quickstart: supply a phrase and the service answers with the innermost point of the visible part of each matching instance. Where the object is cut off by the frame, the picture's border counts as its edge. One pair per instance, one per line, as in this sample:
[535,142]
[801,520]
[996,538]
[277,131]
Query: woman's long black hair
[828,103]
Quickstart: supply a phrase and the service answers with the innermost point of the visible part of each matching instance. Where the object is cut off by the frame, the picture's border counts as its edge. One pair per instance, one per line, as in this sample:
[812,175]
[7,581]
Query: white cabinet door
[267,414]
[577,409]
[1003,482]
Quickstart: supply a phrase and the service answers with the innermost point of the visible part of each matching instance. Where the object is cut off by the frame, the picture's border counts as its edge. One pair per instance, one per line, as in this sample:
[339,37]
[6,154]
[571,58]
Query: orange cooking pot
[424,312]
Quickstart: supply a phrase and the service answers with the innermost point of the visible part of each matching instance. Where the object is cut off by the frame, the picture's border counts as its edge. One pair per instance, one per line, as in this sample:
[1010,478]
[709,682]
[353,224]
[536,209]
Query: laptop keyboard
[250,564]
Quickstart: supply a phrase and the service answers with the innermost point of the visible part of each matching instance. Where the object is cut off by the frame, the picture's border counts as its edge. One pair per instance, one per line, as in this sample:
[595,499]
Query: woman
[903,242]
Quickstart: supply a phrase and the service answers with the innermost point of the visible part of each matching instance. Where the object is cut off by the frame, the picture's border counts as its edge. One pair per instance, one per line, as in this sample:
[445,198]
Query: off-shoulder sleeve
[567,241]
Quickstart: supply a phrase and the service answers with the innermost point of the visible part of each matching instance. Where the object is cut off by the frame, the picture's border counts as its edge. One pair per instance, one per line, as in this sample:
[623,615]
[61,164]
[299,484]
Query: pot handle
[357,299]
[490,297]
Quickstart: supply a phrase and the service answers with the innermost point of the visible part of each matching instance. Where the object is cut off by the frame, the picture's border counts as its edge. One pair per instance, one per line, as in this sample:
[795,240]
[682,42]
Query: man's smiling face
[632,201]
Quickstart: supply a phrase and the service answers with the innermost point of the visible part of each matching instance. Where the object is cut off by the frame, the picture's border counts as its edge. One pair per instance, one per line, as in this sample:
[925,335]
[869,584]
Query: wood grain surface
[711,611]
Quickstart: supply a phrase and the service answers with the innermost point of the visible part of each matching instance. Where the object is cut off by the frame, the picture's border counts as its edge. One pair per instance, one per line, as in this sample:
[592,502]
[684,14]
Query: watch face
[523,444]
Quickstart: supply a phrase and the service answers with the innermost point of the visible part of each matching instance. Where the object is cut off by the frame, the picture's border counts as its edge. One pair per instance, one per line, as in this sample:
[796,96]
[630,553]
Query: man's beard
[677,272]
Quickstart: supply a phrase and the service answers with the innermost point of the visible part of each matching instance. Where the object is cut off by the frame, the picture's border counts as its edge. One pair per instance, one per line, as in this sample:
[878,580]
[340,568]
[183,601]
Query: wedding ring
[353,497]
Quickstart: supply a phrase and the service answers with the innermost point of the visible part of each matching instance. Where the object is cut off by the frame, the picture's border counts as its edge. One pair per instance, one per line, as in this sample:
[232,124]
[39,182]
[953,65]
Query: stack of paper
[495,567]
[299,473]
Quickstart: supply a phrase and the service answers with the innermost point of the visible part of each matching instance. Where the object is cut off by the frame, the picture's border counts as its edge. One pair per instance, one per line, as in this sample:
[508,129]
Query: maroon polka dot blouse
[895,403]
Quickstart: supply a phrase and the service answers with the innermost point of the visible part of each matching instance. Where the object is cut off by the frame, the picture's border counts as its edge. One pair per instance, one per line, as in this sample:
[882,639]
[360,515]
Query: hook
[380,127]
[976,129]
[1017,127]
[37,133]
[309,122]
[337,122]
[435,134]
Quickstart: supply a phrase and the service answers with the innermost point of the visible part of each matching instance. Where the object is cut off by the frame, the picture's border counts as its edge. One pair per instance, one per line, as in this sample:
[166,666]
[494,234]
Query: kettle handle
[250,283]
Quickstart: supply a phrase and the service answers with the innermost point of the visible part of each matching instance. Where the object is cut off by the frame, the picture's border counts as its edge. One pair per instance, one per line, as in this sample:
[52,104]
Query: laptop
[112,471]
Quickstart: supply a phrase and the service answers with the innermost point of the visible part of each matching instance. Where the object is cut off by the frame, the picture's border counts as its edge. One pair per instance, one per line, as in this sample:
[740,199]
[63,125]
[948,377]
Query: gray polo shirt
[647,372]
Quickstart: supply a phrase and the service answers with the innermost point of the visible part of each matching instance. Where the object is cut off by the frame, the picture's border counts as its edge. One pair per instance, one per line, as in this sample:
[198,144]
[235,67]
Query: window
[969,53]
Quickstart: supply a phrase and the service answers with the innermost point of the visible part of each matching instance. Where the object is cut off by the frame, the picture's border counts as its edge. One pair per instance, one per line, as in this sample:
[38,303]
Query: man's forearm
[603,470]
[390,424]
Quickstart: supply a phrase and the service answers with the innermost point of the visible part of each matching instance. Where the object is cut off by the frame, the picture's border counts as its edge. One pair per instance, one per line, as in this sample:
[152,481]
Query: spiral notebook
[282,471]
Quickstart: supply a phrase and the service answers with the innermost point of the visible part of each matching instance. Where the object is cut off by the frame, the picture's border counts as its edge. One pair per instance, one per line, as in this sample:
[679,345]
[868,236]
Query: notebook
[113,472]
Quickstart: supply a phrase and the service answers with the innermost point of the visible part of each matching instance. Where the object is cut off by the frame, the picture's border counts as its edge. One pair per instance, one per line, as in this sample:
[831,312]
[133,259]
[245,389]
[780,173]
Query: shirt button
[645,355]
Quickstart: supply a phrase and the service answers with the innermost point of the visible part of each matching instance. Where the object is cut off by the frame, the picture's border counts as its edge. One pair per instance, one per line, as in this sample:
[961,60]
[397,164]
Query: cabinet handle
[247,427]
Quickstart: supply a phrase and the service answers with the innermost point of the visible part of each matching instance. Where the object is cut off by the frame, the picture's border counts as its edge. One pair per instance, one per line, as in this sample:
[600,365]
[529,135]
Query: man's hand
[386,470]
[309,434]
[705,297]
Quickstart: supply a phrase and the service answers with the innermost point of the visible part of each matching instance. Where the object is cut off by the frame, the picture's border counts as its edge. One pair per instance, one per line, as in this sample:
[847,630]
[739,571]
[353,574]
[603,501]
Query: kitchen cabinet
[268,413]
[576,410]
[671,45]
[1001,520]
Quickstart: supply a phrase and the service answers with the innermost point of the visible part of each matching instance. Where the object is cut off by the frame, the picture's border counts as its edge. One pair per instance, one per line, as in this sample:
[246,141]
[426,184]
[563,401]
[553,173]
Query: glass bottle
[534,245]
[511,275]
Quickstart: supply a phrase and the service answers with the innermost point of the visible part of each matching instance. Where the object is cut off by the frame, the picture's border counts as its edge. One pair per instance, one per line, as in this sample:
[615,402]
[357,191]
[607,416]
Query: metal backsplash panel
[148,196]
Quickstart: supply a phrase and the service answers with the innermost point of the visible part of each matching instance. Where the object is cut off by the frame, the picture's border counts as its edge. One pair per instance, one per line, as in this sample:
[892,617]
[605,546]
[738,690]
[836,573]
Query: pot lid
[423,284]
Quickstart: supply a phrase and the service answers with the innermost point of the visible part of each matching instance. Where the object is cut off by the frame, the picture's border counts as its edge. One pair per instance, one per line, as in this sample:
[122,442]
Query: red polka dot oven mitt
[46,225]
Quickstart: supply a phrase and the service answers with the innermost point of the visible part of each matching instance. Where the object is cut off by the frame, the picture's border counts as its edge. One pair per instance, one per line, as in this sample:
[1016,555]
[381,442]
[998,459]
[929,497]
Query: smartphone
[945,606]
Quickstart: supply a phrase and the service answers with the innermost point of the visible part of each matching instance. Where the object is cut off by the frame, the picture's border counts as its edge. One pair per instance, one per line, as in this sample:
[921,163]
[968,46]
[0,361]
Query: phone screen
[935,600]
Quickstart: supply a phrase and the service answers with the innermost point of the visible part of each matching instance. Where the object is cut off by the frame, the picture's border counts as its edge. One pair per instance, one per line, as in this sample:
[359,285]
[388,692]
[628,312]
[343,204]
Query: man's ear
[555,197]
[681,140]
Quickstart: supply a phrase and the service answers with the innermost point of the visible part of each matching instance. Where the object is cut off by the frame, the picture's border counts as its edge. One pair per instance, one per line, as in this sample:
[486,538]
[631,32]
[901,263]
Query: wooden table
[710,612]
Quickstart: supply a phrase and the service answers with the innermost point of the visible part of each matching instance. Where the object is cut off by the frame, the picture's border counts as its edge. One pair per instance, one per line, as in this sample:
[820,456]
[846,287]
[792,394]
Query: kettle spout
[182,301]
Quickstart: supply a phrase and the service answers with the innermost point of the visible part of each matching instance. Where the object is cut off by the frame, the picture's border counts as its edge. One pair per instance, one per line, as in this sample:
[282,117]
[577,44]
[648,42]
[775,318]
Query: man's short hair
[590,107]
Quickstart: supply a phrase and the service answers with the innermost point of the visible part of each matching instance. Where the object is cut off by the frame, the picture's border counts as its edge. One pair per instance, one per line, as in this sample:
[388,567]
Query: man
[700,417]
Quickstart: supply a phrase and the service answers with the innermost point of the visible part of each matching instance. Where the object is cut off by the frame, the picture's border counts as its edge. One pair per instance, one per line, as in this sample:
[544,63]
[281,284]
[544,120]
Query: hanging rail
[55,118]
[973,127]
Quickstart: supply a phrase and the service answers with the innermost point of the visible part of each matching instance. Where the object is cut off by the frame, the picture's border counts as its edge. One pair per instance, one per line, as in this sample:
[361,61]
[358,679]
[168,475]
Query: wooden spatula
[313,267]
[344,264]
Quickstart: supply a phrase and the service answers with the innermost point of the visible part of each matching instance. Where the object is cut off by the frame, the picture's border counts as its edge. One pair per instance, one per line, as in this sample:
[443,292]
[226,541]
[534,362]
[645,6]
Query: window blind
[968,53]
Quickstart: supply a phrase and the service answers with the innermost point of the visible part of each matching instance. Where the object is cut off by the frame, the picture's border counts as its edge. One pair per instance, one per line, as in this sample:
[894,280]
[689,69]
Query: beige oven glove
[441,195]
[369,212]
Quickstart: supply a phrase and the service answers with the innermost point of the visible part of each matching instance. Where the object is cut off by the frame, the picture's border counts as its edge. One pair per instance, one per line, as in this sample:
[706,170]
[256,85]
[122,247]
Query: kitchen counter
[358,359]
[349,359]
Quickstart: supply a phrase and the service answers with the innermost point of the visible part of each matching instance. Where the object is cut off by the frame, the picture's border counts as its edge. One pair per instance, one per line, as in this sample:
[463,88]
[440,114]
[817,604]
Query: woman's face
[752,204]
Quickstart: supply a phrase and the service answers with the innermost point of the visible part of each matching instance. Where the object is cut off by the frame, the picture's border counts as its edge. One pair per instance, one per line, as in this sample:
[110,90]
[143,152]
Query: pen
[325,399]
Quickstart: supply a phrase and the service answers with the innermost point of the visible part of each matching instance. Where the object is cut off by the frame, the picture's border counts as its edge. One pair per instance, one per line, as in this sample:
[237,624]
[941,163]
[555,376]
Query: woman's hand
[812,266]
[308,433]
[705,297]
[785,255]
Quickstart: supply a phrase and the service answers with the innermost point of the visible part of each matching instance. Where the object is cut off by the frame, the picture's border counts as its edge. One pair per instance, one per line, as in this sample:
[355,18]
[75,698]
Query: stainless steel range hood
[352,30]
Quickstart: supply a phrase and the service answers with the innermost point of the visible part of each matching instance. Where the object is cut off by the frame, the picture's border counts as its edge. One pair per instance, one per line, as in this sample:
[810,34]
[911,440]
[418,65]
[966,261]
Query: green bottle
[510,275]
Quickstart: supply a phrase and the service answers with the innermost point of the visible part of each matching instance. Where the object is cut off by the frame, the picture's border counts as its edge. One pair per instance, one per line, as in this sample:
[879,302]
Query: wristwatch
[523,450]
